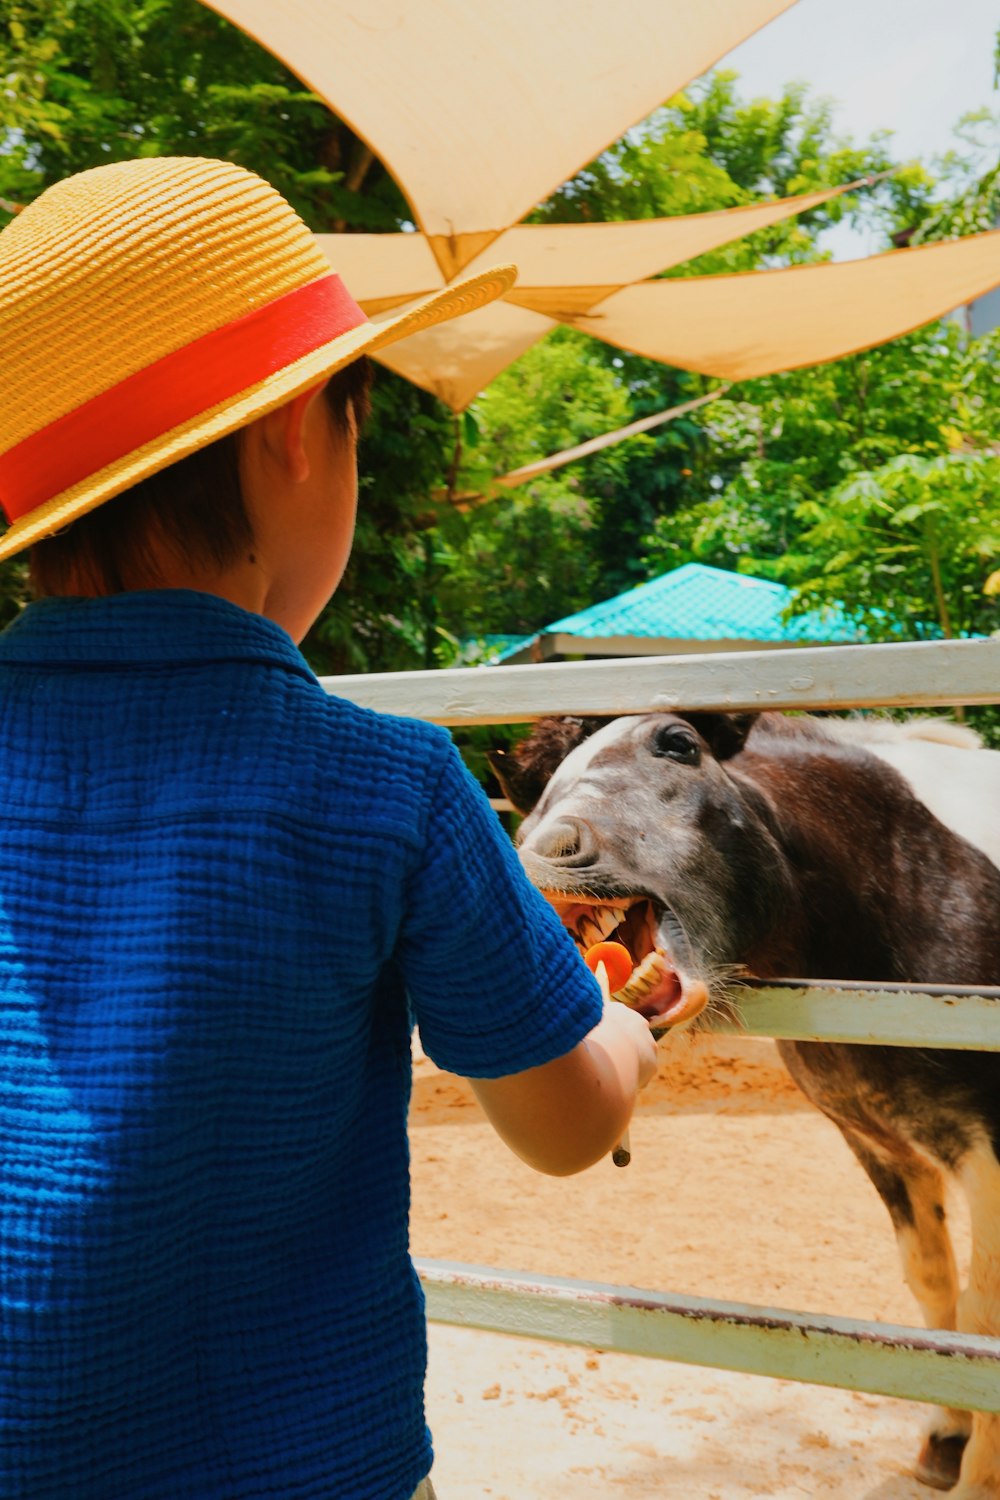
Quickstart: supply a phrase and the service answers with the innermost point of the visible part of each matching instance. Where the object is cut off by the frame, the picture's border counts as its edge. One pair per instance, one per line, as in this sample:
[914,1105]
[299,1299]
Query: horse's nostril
[563,839]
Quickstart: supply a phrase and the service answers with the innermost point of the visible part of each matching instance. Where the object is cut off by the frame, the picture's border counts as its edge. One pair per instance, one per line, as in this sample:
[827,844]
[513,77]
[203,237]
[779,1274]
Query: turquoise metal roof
[488,650]
[698,603]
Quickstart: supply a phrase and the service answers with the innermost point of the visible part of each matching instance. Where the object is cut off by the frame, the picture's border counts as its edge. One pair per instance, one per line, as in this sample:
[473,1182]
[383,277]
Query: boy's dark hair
[195,506]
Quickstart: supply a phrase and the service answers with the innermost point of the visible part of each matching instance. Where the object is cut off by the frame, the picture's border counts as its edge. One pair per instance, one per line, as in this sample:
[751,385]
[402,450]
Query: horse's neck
[960,787]
[887,892]
[831,932]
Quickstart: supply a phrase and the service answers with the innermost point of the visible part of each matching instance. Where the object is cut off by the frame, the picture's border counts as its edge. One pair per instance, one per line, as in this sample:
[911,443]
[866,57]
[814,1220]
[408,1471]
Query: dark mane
[524,771]
[789,727]
[870,729]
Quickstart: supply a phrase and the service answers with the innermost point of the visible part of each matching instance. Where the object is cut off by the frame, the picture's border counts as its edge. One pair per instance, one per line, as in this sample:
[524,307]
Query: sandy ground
[738,1189]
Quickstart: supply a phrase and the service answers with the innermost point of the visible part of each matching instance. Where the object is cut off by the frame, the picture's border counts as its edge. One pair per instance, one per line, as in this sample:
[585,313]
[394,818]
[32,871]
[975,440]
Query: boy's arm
[502,996]
[568,1113]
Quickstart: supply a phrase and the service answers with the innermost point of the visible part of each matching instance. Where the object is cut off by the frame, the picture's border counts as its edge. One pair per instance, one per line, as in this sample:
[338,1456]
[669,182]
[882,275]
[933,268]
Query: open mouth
[660,986]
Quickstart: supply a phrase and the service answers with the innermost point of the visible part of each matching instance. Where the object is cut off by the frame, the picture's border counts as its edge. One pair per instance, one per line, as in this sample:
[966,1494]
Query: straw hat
[147,308]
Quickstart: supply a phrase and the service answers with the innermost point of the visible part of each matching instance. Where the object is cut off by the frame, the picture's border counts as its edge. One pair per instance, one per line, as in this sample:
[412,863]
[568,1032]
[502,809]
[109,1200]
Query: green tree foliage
[905,549]
[526,556]
[709,149]
[971,173]
[92,81]
[705,150]
[89,81]
[870,481]
[778,443]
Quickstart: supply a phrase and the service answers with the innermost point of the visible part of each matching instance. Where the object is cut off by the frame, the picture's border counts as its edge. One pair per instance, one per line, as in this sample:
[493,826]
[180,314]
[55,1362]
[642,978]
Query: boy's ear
[281,435]
[294,415]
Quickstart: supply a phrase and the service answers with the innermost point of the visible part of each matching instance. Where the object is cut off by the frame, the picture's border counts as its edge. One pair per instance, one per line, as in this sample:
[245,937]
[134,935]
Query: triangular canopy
[565,271]
[480,110]
[735,327]
[743,326]
[566,267]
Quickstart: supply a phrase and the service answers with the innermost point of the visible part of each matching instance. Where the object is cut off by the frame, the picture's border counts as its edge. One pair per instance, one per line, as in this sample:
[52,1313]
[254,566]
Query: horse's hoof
[940,1460]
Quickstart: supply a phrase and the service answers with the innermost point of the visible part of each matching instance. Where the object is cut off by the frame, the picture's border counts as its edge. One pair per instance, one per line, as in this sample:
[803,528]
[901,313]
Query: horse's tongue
[654,985]
[685,1006]
[658,992]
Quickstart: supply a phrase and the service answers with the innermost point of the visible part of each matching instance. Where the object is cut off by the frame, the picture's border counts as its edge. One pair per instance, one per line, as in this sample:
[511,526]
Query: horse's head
[636,830]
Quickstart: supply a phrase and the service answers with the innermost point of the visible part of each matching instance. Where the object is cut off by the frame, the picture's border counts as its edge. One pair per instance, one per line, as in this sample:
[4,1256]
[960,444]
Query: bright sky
[910,66]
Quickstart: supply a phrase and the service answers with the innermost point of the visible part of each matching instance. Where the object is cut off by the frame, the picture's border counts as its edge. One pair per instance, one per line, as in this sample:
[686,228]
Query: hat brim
[437,307]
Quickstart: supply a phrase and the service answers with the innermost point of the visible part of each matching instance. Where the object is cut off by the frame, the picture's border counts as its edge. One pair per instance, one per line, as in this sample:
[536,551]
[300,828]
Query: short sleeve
[494,979]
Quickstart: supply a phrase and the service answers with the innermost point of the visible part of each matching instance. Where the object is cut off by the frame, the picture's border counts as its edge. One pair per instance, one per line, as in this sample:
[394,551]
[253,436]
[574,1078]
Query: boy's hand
[636,1028]
[641,1034]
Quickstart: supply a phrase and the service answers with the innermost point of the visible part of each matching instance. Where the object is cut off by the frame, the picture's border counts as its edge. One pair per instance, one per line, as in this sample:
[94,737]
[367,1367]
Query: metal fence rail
[946,1368]
[893,1015]
[952,1369]
[929,674]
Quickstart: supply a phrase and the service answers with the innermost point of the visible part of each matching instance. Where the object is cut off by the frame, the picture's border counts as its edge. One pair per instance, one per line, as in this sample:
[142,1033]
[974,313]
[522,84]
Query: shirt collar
[155,626]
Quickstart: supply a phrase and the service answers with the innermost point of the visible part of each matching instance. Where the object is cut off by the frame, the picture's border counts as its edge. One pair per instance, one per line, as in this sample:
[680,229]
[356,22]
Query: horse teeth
[636,989]
[599,924]
[643,979]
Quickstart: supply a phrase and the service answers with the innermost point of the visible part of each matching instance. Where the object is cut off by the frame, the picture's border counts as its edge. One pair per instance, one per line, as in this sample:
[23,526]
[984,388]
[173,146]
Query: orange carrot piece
[617,961]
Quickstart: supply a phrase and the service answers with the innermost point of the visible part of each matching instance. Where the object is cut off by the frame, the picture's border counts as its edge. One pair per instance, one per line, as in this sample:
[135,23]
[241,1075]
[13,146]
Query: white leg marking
[979,1312]
[929,1270]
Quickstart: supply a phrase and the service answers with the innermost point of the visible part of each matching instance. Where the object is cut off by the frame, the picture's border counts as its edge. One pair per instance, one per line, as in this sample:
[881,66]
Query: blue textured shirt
[224,896]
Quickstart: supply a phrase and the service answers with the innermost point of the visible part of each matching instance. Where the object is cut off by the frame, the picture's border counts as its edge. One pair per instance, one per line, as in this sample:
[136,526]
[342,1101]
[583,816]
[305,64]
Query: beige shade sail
[467,500]
[563,269]
[738,327]
[480,110]
[382,270]
[556,261]
[456,361]
[605,440]
[735,327]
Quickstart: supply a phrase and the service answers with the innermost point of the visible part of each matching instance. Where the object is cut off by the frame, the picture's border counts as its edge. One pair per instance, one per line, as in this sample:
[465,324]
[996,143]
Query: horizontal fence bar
[949,1369]
[929,674]
[545,647]
[892,1015]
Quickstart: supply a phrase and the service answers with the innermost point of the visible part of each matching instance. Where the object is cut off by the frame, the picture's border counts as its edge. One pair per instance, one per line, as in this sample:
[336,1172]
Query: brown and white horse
[821,849]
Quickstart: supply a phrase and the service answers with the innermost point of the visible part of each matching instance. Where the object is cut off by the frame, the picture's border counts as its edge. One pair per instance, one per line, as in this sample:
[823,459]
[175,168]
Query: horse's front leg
[912,1189]
[979,1312]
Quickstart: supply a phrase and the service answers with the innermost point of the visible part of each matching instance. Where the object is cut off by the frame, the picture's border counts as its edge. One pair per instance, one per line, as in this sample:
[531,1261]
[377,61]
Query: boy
[224,896]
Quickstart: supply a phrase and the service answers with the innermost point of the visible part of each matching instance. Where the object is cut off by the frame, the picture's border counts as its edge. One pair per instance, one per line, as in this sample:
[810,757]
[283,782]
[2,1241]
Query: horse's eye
[674,742]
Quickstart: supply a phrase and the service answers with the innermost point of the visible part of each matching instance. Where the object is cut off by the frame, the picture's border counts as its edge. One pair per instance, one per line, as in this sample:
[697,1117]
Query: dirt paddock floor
[737,1189]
